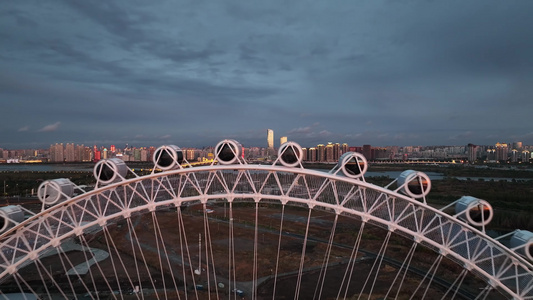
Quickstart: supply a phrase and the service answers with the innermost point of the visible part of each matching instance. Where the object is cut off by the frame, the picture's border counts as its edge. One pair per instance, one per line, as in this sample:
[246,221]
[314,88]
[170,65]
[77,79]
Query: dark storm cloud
[193,72]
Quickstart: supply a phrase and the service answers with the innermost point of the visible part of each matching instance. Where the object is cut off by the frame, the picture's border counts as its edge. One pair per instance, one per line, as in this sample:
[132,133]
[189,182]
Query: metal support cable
[302,258]
[404,267]
[325,262]
[159,235]
[143,259]
[351,263]
[115,271]
[278,252]
[380,256]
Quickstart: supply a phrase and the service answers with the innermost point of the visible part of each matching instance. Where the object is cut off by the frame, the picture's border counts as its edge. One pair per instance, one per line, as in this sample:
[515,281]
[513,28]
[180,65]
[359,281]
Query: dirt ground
[163,236]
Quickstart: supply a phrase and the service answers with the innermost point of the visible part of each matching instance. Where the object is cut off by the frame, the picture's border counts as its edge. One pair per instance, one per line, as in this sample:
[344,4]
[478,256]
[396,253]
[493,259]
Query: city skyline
[330,152]
[377,72]
[111,146]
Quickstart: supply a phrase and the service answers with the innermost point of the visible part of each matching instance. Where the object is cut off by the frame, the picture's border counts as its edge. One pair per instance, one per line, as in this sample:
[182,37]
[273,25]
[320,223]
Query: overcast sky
[192,73]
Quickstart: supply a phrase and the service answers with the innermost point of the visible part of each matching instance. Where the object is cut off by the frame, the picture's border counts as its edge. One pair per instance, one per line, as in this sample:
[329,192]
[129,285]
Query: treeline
[21,183]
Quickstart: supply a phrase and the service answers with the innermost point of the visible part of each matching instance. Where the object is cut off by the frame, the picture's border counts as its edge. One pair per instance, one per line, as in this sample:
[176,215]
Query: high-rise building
[502,151]
[367,152]
[190,154]
[304,154]
[491,154]
[270,138]
[336,151]
[282,140]
[345,148]
[151,151]
[526,156]
[57,153]
[472,152]
[380,153]
[312,154]
[356,149]
[69,152]
[87,154]
[78,153]
[96,154]
[136,154]
[321,152]
[329,152]
[52,153]
[144,154]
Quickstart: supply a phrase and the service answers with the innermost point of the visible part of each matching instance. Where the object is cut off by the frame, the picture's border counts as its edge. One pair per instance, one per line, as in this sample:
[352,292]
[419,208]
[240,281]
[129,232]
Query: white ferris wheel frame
[449,235]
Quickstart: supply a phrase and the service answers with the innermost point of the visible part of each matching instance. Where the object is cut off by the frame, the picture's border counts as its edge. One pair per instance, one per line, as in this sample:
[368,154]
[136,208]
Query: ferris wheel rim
[283,198]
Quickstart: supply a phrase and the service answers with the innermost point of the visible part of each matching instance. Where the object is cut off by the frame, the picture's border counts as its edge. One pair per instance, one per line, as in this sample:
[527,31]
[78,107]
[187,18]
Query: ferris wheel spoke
[302,257]
[159,255]
[280,235]
[60,254]
[184,245]
[456,285]
[109,243]
[431,272]
[114,247]
[347,278]
[159,236]
[404,268]
[209,258]
[377,262]
[18,277]
[254,266]
[45,284]
[143,257]
[484,293]
[325,261]
[457,244]
[84,243]
[439,260]
[213,261]
[232,267]
[182,256]
[129,236]
[41,268]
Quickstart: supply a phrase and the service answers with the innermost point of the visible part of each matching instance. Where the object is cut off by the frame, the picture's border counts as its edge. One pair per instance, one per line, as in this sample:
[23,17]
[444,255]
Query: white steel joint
[55,242]
[33,255]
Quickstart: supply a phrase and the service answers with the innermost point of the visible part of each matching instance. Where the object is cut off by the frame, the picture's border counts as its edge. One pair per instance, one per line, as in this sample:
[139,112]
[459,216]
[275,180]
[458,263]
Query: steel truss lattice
[450,236]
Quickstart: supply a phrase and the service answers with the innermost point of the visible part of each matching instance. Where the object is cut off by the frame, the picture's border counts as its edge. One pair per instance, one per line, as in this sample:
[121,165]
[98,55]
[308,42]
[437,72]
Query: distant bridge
[421,161]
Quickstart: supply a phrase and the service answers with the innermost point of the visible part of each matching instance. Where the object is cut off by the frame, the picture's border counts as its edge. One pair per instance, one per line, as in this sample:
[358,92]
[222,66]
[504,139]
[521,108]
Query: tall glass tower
[270,138]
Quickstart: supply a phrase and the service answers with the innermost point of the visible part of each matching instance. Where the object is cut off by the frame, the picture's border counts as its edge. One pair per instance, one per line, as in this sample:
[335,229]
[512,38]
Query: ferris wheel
[233,230]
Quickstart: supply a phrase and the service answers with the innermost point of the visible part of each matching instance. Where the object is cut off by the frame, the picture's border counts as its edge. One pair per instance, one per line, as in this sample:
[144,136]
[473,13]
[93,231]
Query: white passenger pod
[168,157]
[522,242]
[10,216]
[55,191]
[110,170]
[290,154]
[414,184]
[228,152]
[475,211]
[353,164]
